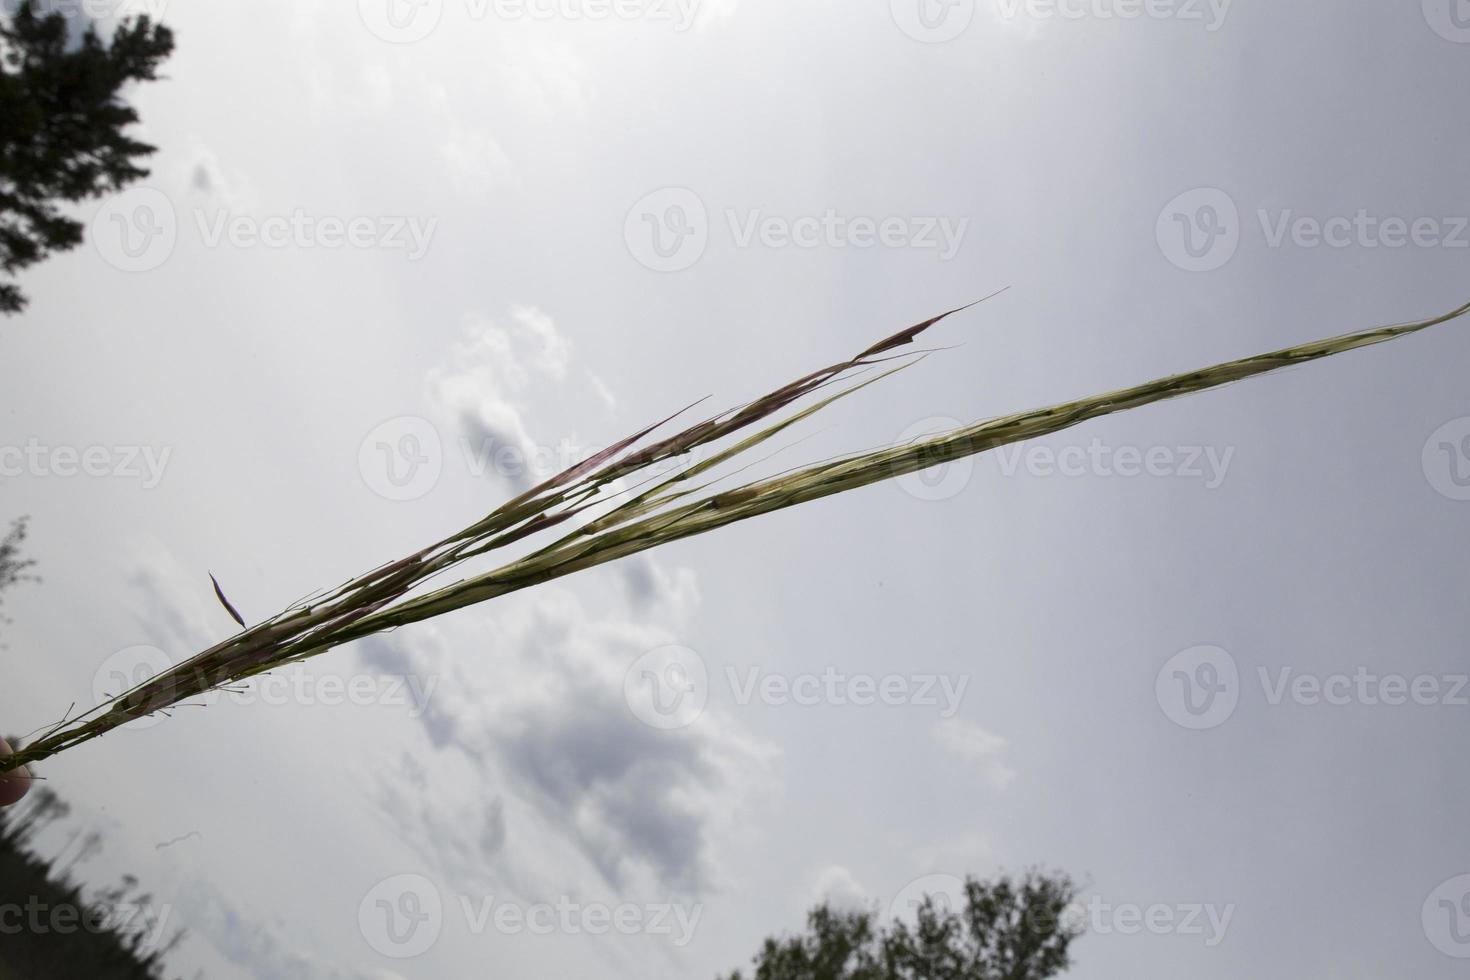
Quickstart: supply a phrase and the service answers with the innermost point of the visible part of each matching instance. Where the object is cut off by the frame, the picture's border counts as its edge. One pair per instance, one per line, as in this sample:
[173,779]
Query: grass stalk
[602,519]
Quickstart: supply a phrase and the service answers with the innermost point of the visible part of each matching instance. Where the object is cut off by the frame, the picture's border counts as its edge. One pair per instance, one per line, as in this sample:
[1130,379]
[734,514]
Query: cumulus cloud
[532,701]
[539,705]
[651,587]
[982,750]
[483,387]
[474,159]
[836,887]
[546,81]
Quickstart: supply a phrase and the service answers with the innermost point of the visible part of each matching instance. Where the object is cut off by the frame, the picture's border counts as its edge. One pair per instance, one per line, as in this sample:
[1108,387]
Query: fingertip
[13,785]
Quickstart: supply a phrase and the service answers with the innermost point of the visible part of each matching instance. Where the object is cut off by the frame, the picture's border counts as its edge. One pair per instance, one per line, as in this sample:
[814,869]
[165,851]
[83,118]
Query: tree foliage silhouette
[1008,930]
[13,566]
[58,927]
[62,122]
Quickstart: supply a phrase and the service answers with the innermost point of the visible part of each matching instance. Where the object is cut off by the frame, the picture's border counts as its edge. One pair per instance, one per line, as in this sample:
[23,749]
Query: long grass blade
[669,509]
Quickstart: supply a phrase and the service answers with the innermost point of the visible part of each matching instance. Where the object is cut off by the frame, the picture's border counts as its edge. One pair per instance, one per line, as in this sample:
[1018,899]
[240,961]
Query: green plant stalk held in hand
[618,503]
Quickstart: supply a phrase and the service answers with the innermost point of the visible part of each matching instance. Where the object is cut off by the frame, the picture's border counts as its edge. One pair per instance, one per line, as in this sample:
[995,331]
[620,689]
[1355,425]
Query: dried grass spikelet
[601,521]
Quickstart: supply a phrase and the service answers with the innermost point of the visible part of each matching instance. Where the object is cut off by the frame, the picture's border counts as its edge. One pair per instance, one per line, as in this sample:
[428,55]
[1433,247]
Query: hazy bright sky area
[397,259]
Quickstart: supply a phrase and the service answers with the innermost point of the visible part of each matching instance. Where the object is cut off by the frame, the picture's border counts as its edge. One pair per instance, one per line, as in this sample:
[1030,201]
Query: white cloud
[837,887]
[546,82]
[548,350]
[983,750]
[603,392]
[535,701]
[474,159]
[483,387]
[651,586]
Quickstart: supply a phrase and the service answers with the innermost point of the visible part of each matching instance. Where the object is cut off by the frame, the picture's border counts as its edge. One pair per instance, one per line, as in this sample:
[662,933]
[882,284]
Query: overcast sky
[1208,656]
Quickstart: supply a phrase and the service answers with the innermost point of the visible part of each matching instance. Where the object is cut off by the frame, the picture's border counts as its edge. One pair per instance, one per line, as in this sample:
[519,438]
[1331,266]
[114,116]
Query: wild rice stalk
[603,520]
